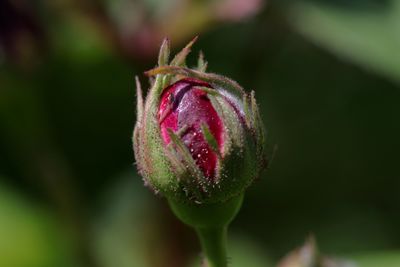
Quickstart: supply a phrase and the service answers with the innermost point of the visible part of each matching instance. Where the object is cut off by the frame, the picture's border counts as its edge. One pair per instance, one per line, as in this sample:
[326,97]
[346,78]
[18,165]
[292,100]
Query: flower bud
[308,255]
[198,137]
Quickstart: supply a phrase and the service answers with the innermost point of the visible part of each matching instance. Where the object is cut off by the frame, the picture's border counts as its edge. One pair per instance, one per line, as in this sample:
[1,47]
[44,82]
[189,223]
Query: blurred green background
[327,78]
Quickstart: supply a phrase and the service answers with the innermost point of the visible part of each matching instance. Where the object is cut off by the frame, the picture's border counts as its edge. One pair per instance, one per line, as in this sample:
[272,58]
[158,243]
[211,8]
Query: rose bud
[199,141]
[198,137]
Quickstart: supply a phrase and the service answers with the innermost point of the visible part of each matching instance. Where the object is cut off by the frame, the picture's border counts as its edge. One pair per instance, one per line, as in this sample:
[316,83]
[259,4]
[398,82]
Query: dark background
[327,78]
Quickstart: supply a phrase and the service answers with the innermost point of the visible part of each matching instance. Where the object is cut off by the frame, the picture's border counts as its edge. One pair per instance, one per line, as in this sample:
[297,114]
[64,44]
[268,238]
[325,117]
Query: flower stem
[213,243]
[211,223]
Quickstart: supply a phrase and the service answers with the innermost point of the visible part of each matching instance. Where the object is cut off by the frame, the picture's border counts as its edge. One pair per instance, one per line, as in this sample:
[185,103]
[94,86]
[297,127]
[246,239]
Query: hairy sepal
[215,80]
[237,166]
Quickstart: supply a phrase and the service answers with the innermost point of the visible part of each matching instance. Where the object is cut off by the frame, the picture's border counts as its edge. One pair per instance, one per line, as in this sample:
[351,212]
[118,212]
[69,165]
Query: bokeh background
[327,78]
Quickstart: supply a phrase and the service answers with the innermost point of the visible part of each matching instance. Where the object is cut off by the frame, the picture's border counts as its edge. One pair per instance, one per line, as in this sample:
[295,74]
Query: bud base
[211,223]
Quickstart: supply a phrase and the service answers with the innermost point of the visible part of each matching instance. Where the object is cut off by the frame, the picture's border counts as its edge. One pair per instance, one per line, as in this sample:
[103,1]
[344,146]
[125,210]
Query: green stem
[211,222]
[213,243]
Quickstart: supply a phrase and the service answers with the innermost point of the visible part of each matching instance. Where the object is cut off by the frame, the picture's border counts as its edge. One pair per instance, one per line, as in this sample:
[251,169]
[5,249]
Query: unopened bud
[199,137]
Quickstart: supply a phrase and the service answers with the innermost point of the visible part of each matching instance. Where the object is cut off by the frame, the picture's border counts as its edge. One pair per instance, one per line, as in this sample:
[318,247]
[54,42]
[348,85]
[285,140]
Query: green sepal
[151,157]
[201,63]
[139,100]
[209,91]
[163,56]
[233,128]
[217,81]
[180,59]
[238,166]
[138,126]
[259,130]
[193,181]
[247,111]
[210,139]
[185,155]
[154,163]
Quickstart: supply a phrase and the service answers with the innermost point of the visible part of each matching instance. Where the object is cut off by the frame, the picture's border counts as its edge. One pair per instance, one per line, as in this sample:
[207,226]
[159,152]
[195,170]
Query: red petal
[185,105]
